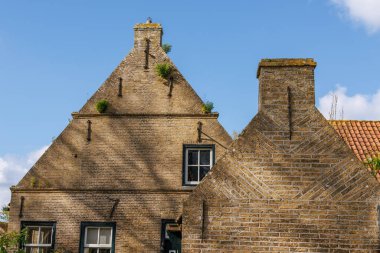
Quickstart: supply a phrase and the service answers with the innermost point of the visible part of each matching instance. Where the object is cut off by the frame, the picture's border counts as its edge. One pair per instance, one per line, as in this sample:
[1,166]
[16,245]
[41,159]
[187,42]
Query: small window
[40,238]
[198,161]
[97,237]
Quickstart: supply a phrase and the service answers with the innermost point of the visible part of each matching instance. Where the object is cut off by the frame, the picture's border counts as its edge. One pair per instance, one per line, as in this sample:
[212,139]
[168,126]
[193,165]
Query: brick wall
[137,216]
[129,152]
[289,183]
[143,91]
[253,225]
[135,154]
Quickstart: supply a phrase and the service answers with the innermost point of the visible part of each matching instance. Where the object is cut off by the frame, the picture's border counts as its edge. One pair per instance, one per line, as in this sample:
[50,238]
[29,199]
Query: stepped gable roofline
[285,62]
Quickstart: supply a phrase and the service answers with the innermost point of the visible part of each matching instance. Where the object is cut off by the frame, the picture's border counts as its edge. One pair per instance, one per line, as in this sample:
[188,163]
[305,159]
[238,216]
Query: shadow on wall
[3,227]
[106,165]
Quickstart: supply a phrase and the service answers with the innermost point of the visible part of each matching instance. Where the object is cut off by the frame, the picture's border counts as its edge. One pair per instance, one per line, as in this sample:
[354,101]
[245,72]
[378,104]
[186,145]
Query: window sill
[189,187]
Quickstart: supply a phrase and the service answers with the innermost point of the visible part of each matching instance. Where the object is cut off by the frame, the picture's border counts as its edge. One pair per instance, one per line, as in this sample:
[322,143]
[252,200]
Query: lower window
[40,237]
[170,237]
[97,237]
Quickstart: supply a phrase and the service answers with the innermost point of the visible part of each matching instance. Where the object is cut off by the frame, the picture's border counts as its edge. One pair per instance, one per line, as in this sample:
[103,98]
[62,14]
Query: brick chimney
[286,88]
[148,31]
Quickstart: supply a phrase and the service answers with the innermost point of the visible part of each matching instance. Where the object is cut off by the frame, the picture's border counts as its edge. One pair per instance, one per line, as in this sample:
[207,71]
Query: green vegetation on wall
[374,164]
[207,107]
[102,105]
[167,47]
[10,241]
[164,70]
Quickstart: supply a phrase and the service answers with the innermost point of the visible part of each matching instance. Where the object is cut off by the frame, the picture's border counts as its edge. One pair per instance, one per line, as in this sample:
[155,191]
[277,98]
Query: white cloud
[365,12]
[358,106]
[13,168]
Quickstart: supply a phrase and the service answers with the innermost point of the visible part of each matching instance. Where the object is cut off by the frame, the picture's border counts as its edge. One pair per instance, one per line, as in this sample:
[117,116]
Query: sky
[55,54]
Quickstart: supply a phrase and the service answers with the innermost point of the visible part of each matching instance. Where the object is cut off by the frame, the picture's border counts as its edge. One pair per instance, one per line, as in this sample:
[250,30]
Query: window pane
[203,171]
[105,251]
[44,250]
[192,157]
[205,157]
[31,250]
[32,235]
[45,236]
[90,250]
[92,236]
[192,173]
[105,236]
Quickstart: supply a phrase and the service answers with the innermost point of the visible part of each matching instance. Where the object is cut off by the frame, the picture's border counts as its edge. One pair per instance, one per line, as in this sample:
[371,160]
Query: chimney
[151,32]
[286,88]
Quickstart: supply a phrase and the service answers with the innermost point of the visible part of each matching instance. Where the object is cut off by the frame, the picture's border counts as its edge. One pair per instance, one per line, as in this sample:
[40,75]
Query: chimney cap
[143,26]
[286,62]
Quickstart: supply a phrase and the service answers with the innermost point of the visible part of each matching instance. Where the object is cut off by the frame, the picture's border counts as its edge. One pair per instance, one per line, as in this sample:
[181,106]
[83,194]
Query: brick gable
[141,132]
[131,160]
[289,183]
[143,91]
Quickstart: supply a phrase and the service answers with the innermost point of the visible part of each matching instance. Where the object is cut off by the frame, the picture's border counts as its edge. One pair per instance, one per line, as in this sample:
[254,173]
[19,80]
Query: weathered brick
[289,178]
[135,155]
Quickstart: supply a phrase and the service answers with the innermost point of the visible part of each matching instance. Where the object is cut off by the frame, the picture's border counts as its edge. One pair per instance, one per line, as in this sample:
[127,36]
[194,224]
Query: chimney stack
[148,31]
[286,88]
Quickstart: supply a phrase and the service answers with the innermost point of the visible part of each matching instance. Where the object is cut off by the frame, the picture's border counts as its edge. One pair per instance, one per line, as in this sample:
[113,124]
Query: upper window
[40,238]
[97,237]
[198,160]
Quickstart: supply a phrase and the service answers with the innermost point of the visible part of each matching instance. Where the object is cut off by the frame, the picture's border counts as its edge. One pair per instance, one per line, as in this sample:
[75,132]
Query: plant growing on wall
[374,164]
[164,70]
[10,242]
[167,47]
[102,105]
[207,107]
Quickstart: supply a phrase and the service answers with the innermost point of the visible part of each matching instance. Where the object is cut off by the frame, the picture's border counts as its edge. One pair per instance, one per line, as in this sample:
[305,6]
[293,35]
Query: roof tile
[363,137]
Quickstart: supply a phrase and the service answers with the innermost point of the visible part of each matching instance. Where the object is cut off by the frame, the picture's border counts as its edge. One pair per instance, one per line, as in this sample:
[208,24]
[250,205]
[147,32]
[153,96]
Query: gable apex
[135,87]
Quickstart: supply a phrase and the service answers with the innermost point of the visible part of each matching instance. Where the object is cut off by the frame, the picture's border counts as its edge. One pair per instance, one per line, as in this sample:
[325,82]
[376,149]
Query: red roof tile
[363,137]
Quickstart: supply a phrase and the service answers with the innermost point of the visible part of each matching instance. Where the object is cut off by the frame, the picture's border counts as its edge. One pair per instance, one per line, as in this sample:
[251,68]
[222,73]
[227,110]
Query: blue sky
[55,54]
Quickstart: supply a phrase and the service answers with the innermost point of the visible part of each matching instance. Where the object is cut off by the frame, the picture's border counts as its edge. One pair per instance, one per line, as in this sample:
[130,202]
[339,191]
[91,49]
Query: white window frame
[211,149]
[98,246]
[38,245]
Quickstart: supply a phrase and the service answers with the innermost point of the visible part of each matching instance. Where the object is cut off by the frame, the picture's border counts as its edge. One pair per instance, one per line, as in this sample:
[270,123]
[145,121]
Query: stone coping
[148,26]
[286,62]
[77,115]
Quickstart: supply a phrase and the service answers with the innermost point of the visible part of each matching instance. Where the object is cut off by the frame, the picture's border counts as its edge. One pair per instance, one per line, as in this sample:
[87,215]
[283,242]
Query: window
[41,236]
[198,160]
[97,237]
